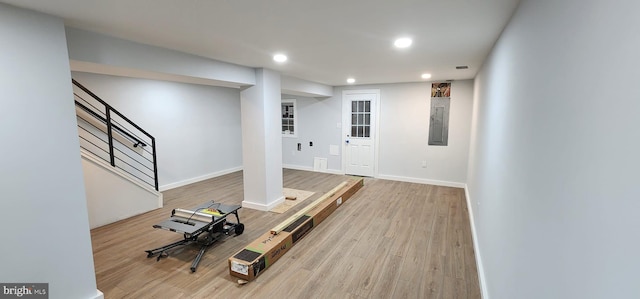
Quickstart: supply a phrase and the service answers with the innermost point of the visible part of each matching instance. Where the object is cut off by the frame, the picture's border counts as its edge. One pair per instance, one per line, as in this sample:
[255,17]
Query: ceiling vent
[462,67]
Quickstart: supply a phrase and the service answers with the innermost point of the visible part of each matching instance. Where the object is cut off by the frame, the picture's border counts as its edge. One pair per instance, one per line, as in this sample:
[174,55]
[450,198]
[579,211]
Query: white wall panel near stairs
[114,195]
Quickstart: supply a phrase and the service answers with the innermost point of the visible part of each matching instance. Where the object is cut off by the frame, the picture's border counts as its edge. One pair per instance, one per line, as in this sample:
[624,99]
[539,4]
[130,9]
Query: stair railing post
[155,162]
[110,136]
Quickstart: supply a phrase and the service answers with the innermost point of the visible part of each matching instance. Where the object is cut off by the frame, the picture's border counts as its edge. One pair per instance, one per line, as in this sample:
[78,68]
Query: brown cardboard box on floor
[252,260]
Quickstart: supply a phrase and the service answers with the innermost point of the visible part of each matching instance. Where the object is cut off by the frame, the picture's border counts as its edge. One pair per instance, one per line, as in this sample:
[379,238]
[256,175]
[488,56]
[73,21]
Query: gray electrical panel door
[439,123]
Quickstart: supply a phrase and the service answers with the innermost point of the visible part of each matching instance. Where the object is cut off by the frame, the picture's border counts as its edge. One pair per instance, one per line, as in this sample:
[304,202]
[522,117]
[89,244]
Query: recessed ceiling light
[426,76]
[280,57]
[351,80]
[403,42]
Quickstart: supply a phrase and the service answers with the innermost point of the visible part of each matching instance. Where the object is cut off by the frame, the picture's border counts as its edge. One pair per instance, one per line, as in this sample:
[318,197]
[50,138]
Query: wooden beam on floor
[276,230]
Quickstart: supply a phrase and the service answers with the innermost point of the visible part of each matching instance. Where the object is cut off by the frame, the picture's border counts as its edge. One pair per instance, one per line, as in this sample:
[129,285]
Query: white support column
[262,142]
[40,171]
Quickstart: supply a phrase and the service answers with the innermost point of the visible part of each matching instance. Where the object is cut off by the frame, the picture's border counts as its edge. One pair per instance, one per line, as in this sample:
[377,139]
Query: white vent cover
[319,164]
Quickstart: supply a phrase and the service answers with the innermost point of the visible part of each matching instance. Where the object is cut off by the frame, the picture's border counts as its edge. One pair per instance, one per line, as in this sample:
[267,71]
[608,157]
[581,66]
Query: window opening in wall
[289,121]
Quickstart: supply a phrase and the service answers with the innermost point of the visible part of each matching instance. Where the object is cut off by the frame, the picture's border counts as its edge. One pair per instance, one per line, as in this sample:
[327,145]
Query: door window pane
[361,119]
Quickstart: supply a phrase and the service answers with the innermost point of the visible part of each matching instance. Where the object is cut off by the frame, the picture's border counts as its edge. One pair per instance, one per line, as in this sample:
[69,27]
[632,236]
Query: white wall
[297,86]
[197,127]
[44,225]
[98,53]
[112,195]
[404,133]
[553,171]
[317,119]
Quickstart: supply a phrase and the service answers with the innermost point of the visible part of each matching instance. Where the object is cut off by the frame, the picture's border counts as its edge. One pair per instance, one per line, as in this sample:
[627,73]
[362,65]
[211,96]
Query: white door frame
[346,127]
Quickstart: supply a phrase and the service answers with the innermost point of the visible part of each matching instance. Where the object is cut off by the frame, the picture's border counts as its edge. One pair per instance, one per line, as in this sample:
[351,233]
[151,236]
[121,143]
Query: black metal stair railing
[111,136]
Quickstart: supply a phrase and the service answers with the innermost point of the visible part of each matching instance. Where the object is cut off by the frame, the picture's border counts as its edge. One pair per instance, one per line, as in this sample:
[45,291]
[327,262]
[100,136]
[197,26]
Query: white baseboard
[334,171]
[199,178]
[476,248]
[260,206]
[231,170]
[161,200]
[421,181]
[99,295]
[305,168]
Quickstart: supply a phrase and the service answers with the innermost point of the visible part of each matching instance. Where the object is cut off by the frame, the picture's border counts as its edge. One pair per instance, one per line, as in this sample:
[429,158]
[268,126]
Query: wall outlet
[424,163]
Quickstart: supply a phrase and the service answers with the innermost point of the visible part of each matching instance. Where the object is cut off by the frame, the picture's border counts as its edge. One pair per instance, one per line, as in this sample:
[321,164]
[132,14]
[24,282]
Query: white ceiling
[326,40]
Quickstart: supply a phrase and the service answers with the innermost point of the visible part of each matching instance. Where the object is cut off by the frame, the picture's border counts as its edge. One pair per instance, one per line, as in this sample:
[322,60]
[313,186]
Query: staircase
[118,160]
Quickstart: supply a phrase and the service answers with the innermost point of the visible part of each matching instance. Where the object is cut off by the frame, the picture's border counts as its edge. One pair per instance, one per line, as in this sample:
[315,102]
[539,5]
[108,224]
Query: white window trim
[295,118]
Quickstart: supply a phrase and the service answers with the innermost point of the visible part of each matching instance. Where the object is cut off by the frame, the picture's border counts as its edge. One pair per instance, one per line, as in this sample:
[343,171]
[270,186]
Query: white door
[359,129]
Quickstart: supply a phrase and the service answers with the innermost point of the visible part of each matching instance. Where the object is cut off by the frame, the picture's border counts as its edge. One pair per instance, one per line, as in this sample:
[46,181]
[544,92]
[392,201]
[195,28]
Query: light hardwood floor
[390,240]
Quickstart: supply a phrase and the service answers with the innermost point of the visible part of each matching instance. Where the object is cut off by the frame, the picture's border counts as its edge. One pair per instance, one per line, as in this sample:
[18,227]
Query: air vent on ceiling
[462,67]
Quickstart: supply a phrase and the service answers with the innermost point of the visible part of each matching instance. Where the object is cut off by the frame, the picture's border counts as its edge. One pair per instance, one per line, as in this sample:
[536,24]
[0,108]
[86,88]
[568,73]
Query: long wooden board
[276,230]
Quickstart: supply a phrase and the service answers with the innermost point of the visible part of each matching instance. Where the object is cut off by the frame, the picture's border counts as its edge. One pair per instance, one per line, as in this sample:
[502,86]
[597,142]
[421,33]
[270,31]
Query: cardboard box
[323,210]
[251,261]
